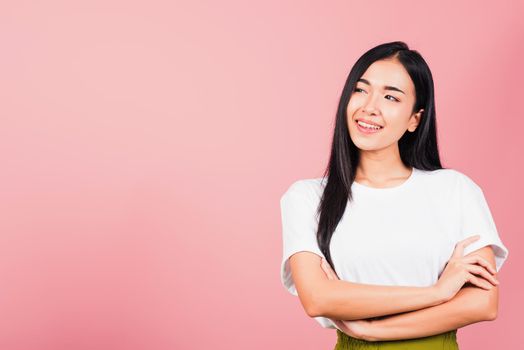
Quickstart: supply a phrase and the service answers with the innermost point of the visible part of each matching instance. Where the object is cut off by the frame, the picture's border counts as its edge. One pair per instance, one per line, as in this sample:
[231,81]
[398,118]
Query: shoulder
[310,188]
[449,178]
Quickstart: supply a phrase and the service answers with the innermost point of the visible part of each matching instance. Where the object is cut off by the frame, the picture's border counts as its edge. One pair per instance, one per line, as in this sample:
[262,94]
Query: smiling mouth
[368,127]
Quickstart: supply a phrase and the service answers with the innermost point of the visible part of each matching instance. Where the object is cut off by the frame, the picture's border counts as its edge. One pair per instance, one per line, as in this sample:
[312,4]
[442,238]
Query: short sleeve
[298,207]
[299,227]
[476,218]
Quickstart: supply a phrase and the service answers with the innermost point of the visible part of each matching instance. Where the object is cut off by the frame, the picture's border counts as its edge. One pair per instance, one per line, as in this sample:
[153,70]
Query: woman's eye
[387,96]
[393,98]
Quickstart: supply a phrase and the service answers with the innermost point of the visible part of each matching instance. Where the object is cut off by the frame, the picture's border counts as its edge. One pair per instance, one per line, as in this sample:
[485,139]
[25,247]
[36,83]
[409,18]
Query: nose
[370,107]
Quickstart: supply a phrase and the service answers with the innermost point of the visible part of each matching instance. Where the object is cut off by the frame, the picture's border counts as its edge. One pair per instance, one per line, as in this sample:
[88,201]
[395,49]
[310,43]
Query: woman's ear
[415,120]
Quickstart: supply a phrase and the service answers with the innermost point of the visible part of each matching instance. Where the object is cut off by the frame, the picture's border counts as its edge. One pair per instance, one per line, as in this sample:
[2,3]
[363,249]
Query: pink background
[144,147]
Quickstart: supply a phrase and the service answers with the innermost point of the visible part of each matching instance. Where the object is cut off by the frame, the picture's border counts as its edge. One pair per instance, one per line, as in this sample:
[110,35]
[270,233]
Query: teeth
[369,126]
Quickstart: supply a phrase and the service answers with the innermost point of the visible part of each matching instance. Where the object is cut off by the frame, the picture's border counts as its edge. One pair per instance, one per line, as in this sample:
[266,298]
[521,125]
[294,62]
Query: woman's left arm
[470,305]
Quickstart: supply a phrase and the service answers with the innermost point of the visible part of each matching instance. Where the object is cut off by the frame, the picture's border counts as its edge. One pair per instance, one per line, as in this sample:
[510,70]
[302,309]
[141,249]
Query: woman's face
[385,96]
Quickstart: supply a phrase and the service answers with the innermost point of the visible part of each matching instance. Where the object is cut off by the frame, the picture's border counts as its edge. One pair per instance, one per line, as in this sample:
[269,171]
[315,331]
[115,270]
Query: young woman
[389,248]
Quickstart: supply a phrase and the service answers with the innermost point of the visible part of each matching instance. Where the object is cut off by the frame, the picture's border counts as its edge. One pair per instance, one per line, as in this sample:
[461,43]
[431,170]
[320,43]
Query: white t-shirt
[402,235]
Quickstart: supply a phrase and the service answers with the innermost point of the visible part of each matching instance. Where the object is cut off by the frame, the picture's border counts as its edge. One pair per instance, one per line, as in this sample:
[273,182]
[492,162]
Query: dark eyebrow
[387,87]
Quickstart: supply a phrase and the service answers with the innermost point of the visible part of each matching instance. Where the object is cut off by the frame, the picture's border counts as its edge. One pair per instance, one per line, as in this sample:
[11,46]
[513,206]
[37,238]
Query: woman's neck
[381,168]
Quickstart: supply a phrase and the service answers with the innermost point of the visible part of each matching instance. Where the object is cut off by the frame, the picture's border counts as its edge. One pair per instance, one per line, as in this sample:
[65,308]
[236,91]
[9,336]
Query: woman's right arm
[343,300]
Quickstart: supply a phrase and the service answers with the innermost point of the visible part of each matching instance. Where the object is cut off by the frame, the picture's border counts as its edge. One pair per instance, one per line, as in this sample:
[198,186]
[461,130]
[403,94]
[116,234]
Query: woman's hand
[356,328]
[461,269]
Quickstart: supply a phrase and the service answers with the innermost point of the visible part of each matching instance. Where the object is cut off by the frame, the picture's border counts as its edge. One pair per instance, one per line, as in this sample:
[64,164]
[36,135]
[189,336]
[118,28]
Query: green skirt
[444,341]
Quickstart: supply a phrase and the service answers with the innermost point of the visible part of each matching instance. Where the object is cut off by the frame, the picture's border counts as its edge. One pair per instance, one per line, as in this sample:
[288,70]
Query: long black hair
[417,149]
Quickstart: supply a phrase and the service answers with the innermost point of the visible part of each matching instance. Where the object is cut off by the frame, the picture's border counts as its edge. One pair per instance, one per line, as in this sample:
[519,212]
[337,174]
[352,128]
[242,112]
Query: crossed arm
[404,312]
[470,305]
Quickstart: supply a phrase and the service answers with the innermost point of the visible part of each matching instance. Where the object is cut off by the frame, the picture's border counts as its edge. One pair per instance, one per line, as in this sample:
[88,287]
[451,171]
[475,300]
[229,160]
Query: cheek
[397,116]
[353,105]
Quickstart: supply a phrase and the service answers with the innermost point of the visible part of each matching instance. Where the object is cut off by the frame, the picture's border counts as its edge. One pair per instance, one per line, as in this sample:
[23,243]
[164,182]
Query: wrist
[373,331]
[436,295]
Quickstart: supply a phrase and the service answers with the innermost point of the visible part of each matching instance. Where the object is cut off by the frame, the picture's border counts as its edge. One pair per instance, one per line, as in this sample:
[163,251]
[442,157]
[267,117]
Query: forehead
[389,72]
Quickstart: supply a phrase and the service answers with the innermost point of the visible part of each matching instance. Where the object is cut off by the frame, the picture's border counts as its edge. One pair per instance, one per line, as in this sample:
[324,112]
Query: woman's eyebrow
[387,87]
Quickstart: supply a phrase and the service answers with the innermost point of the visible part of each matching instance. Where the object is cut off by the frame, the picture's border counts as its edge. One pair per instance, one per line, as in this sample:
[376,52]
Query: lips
[367,129]
[368,122]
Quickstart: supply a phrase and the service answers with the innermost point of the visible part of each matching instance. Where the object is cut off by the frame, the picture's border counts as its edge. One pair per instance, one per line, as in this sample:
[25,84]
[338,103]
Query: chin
[369,146]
